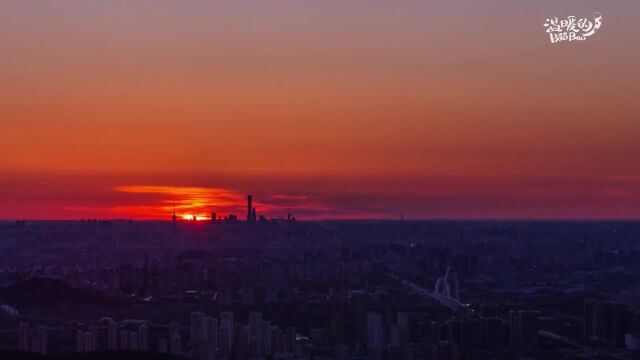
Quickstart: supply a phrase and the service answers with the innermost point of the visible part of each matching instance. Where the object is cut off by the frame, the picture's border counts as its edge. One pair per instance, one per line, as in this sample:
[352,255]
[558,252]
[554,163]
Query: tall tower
[174,217]
[249,208]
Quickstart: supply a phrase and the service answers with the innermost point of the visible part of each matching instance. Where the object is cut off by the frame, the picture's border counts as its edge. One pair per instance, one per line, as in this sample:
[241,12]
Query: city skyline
[319,180]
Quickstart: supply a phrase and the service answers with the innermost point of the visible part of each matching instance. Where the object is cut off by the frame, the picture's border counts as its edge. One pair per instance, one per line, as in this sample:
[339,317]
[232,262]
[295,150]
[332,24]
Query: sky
[324,109]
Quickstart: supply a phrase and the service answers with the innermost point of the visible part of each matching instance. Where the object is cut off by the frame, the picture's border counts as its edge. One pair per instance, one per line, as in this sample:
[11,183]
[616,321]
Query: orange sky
[353,108]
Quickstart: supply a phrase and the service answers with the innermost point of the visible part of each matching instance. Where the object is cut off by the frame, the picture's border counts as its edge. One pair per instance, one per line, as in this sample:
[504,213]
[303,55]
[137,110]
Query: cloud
[153,197]
[202,201]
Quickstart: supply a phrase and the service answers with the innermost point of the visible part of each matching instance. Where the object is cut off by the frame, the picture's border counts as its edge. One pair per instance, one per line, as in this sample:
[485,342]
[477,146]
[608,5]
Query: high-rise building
[241,342]
[113,334]
[606,321]
[249,208]
[197,327]
[254,320]
[375,329]
[226,321]
[174,218]
[264,337]
[124,340]
[176,345]
[277,339]
[80,341]
[133,341]
[198,346]
[255,339]
[174,328]
[143,337]
[42,338]
[211,331]
[292,339]
[24,335]
[224,340]
[92,338]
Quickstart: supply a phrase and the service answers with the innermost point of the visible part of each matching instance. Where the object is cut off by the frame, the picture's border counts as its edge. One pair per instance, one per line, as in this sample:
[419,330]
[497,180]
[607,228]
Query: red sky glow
[326,109]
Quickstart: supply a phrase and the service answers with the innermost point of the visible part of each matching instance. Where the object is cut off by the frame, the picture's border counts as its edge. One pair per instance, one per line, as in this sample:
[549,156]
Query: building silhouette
[249,208]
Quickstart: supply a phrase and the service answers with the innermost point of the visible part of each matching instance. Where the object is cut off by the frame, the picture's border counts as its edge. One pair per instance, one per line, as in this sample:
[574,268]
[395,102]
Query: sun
[192,217]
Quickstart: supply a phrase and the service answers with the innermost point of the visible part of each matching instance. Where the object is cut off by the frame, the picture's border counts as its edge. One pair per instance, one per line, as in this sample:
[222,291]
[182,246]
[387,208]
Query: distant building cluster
[251,216]
[204,337]
[347,290]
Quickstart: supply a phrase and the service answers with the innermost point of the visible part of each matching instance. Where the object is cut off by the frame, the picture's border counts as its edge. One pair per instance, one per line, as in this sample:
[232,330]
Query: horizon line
[487,219]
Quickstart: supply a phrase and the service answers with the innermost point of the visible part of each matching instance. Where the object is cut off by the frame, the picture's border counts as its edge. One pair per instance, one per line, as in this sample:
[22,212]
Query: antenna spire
[174,217]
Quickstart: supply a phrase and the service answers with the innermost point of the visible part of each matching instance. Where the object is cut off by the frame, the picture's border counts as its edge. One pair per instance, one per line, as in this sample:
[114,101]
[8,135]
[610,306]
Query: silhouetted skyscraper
[249,208]
[174,217]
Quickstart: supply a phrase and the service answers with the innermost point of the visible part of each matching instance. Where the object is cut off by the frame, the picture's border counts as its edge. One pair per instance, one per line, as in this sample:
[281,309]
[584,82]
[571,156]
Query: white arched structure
[447,286]
[442,289]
